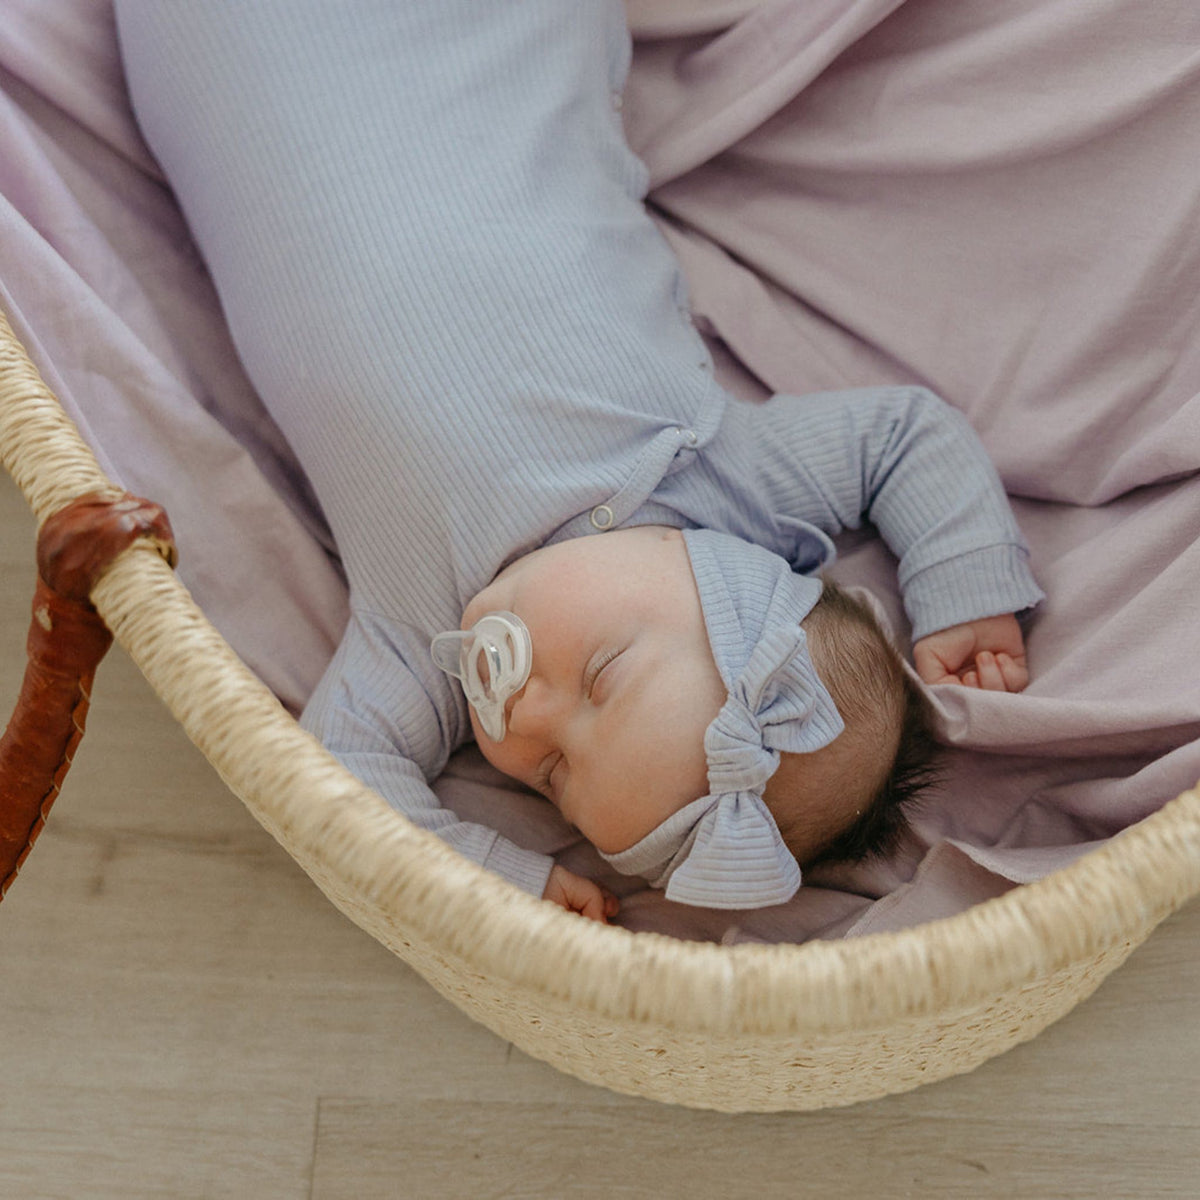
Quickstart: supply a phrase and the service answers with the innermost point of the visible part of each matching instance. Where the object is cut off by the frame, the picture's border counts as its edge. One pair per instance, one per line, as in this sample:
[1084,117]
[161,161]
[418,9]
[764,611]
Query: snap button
[602,517]
[689,436]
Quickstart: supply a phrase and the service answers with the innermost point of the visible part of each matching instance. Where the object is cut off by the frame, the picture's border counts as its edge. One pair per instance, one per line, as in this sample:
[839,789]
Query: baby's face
[610,726]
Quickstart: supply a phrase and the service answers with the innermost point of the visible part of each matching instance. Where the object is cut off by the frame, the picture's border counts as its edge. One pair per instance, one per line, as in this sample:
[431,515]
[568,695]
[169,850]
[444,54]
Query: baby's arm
[383,721]
[392,729]
[913,466]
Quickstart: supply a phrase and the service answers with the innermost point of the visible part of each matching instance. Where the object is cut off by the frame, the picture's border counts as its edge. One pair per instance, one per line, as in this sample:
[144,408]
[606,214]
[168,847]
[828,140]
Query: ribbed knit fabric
[428,237]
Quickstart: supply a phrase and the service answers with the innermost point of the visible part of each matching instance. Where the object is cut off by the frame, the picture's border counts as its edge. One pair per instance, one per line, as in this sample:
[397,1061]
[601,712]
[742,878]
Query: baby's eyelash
[594,670]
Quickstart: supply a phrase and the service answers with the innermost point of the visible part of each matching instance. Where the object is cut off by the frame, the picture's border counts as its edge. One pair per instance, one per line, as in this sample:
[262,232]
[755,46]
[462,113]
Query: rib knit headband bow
[725,850]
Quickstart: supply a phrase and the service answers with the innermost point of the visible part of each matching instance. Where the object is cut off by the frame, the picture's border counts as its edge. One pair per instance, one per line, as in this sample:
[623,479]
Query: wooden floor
[183,1014]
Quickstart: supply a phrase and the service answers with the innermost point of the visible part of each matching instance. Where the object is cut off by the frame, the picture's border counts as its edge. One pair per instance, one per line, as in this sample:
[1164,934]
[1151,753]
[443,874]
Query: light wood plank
[124,1142]
[523,1151]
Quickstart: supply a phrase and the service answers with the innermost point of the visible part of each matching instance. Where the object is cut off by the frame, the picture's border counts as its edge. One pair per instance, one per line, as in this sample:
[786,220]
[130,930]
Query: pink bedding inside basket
[999,202]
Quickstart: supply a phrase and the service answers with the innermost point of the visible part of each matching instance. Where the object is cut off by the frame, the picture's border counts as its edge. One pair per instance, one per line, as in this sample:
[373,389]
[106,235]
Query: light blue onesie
[428,235]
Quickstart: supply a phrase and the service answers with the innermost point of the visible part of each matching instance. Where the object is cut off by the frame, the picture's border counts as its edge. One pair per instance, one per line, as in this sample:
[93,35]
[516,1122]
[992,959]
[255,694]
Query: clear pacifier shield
[492,659]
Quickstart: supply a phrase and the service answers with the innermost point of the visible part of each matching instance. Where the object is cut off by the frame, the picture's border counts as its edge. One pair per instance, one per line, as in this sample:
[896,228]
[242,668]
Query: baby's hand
[988,653]
[576,894]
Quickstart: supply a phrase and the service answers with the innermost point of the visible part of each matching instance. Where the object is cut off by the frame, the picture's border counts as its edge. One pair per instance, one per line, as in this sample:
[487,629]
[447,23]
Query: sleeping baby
[562,537]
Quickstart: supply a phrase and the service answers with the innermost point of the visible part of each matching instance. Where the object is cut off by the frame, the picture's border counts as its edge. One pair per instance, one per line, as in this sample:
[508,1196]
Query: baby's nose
[533,710]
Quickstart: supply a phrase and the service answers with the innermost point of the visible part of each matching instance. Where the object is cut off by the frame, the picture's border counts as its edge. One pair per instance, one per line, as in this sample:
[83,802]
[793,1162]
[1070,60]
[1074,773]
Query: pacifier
[492,659]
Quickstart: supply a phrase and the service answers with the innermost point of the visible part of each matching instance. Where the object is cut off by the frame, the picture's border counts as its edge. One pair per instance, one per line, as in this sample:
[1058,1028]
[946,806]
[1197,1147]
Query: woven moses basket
[740,1028]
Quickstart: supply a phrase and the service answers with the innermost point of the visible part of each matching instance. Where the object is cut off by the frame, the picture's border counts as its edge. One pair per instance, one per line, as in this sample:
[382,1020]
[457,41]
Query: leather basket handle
[67,639]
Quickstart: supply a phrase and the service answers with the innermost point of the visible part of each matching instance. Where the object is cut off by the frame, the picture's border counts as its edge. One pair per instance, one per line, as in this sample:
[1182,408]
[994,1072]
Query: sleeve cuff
[525,869]
[968,587]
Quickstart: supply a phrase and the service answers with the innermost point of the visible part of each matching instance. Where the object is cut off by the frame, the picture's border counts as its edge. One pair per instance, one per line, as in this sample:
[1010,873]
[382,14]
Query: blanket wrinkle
[651,19]
[845,203]
[66,53]
[688,101]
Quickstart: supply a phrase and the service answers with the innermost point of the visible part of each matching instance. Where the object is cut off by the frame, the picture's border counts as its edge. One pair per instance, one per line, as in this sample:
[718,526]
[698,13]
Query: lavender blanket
[1001,202]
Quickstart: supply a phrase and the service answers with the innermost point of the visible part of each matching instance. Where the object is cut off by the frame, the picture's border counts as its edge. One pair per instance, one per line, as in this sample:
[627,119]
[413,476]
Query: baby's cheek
[611,827]
[499,754]
[623,815]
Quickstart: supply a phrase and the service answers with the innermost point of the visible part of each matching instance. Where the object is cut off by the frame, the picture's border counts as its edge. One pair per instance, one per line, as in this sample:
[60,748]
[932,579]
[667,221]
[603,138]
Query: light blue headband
[725,849]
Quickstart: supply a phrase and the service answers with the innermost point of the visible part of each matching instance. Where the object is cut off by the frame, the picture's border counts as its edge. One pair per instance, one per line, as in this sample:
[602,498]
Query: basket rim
[405,886]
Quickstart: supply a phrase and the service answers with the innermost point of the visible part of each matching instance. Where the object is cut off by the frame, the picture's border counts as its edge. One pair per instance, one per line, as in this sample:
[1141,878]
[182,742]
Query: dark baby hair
[853,656]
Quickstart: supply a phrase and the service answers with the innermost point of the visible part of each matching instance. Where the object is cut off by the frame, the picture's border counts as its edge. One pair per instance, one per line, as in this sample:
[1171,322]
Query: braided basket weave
[735,1028]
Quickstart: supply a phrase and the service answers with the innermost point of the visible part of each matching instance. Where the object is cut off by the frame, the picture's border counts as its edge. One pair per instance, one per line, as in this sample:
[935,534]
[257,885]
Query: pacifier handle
[492,659]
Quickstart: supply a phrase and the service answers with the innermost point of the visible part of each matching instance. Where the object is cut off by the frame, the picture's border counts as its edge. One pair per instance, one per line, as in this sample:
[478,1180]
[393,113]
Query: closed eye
[595,667]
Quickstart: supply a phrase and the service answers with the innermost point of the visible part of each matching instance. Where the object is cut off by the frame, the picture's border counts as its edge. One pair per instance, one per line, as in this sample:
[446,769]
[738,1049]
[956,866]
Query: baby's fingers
[599,905]
[999,672]
[932,666]
[1015,672]
[991,678]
